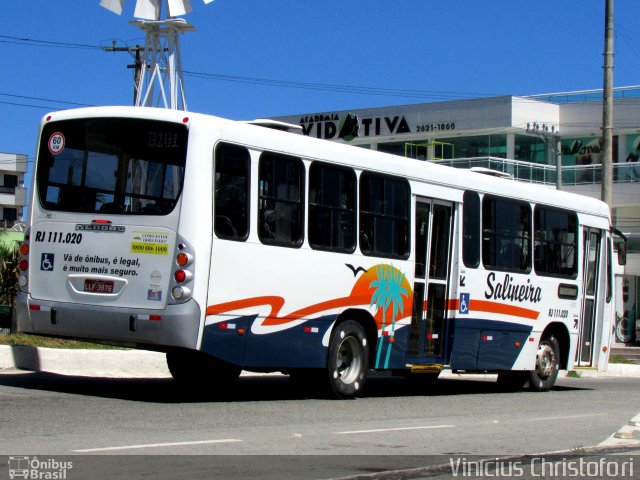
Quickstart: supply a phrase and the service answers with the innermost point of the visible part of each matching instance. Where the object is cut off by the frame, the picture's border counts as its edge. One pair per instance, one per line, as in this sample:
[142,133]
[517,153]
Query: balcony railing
[594,95]
[519,170]
[546,174]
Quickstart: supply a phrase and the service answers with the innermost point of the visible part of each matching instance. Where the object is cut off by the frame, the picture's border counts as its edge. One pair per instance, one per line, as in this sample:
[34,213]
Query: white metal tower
[161,82]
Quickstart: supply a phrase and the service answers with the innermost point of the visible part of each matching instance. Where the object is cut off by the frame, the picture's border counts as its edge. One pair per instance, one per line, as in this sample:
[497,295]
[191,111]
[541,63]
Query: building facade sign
[346,126]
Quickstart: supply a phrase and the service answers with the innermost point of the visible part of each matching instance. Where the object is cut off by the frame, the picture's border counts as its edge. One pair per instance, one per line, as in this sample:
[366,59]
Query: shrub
[9,260]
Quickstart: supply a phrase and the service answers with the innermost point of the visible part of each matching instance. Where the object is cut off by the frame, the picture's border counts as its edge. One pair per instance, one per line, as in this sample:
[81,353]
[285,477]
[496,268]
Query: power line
[394,92]
[44,43]
[45,100]
[355,89]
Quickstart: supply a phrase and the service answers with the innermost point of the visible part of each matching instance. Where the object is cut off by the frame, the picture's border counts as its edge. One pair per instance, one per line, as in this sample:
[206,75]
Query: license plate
[98,286]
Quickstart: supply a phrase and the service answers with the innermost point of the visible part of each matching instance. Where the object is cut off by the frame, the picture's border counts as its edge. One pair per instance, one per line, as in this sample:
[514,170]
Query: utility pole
[607,109]
[137,65]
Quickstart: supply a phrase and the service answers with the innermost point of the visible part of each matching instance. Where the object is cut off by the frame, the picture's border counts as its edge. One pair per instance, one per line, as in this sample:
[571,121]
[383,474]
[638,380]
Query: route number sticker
[56,143]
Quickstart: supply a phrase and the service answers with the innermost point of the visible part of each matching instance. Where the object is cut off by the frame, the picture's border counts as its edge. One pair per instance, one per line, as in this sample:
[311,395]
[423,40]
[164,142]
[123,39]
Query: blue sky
[391,52]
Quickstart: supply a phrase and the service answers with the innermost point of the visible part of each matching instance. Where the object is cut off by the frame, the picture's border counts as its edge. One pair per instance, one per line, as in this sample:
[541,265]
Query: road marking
[567,416]
[156,445]
[376,430]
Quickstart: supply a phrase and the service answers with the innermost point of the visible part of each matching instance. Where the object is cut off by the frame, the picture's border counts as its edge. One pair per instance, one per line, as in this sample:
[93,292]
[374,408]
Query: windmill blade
[179,7]
[147,9]
[115,6]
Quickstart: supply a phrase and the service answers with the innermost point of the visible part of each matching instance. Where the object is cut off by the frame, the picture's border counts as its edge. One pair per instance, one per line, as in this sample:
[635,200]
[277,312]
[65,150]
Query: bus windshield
[107,165]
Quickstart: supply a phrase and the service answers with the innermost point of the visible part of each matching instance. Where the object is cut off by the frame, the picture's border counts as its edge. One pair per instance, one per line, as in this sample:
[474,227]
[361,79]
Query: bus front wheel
[348,359]
[547,365]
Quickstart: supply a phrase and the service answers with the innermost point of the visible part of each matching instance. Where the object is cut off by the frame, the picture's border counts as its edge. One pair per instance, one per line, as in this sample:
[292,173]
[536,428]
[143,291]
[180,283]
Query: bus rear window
[111,165]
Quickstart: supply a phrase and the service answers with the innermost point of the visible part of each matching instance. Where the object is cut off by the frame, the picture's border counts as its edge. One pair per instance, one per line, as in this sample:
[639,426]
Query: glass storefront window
[449,148]
[530,149]
[478,146]
[394,148]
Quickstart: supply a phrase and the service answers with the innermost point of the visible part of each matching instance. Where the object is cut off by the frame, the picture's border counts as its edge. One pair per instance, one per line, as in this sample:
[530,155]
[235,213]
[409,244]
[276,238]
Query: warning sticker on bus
[150,248]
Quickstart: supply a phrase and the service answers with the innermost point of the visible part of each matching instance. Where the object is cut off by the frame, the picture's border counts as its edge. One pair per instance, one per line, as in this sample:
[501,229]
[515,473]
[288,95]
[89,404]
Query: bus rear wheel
[195,369]
[547,365]
[348,359]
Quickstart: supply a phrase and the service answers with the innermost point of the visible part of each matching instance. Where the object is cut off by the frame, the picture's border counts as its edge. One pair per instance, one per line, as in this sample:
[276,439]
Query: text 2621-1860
[435,127]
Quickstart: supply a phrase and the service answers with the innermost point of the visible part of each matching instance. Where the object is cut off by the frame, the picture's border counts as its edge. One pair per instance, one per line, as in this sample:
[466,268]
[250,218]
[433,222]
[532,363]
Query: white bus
[231,246]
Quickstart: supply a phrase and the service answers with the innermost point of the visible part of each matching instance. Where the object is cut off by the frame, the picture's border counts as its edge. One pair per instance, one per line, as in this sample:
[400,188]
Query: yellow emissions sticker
[150,248]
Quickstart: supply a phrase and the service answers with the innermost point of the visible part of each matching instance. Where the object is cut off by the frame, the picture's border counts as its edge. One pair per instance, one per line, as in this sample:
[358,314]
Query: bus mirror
[622,253]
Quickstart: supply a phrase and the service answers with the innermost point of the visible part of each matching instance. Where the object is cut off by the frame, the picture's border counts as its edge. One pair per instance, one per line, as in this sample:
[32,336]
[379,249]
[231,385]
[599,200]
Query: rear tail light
[183,268]
[23,264]
[183,259]
[180,276]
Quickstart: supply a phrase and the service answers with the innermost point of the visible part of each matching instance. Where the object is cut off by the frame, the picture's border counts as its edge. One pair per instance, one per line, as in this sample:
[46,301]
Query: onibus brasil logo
[41,469]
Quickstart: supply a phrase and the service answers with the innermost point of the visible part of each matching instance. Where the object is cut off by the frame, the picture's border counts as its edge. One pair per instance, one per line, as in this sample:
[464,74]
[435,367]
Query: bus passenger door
[590,282]
[432,259]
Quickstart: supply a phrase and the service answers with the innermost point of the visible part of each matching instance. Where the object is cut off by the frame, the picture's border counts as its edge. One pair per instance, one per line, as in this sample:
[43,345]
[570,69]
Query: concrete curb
[613,370]
[147,364]
[98,363]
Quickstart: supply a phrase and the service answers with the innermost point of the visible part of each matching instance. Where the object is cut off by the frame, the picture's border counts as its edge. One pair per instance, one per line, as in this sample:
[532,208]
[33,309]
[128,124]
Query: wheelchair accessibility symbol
[464,303]
[46,263]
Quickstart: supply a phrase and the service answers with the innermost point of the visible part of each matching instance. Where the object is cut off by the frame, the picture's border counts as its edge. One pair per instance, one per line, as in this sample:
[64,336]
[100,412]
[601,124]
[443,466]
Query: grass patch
[619,359]
[48,342]
[574,374]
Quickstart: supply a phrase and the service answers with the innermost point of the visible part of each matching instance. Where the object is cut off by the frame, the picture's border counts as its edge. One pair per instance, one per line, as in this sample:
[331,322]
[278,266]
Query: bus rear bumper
[175,326]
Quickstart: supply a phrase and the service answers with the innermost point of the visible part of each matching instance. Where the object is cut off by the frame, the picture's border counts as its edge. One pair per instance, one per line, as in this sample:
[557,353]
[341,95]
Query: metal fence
[546,174]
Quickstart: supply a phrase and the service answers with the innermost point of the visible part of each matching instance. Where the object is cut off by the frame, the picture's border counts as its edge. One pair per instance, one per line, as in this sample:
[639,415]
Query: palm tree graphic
[388,292]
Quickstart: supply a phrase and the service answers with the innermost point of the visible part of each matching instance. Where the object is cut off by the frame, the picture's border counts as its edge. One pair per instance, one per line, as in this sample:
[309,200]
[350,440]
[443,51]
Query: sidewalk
[146,364]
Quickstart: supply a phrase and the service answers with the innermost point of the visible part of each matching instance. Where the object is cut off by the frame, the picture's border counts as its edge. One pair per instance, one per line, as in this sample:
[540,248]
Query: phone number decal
[435,127]
[152,248]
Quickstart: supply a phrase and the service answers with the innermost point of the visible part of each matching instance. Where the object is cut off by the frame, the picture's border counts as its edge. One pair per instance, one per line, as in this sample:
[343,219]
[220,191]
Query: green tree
[9,260]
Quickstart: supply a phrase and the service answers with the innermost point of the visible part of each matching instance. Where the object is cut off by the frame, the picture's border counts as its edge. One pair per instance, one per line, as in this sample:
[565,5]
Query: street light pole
[607,109]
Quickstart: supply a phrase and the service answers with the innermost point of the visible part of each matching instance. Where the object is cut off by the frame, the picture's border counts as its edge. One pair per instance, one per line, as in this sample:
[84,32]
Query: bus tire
[547,365]
[512,381]
[348,359]
[193,368]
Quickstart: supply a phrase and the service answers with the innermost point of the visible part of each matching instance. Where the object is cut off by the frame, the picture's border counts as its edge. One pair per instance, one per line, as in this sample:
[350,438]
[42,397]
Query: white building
[519,136]
[13,194]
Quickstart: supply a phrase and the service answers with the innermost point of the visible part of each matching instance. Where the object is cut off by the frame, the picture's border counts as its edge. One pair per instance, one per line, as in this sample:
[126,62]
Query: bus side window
[556,236]
[231,200]
[471,229]
[384,215]
[332,210]
[280,195]
[506,234]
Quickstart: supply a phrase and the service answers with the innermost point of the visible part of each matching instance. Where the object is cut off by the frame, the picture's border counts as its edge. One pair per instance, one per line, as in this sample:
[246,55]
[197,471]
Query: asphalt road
[266,426]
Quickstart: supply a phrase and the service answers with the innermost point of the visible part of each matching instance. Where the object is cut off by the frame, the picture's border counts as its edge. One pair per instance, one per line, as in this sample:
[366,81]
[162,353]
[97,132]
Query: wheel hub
[348,361]
[545,360]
